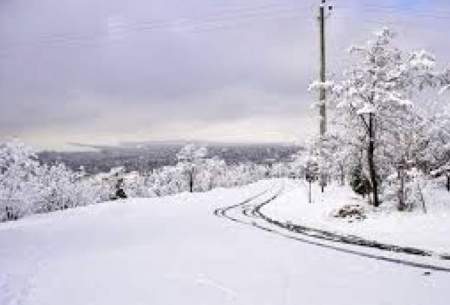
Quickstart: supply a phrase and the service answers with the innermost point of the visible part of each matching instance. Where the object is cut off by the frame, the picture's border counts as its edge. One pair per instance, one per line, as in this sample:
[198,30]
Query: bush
[351,211]
[27,187]
[360,184]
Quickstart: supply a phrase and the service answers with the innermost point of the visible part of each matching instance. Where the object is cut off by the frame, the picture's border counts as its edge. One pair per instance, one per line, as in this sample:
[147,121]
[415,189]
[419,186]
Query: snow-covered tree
[280,169]
[211,174]
[62,188]
[377,96]
[27,187]
[305,164]
[137,185]
[190,158]
[168,180]
[435,144]
[19,187]
[58,187]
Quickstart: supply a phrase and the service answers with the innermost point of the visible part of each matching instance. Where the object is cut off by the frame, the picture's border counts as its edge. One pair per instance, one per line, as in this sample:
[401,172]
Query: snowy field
[173,250]
[429,231]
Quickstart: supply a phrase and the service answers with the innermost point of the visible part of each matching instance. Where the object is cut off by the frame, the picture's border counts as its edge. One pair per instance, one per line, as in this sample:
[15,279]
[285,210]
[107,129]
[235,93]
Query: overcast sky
[105,71]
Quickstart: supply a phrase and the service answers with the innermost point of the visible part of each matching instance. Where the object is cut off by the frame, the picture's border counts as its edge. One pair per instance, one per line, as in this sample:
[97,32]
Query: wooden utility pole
[322,94]
[322,97]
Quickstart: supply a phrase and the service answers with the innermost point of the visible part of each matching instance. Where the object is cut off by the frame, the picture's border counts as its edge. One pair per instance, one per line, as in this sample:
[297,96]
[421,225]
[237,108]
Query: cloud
[97,70]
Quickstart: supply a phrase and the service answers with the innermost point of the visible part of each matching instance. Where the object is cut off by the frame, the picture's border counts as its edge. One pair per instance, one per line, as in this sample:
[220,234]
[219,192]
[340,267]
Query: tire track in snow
[248,212]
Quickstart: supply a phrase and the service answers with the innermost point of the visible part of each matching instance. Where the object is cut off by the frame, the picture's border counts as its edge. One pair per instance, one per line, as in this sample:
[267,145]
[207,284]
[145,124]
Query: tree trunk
[401,190]
[371,163]
[448,182]
[191,181]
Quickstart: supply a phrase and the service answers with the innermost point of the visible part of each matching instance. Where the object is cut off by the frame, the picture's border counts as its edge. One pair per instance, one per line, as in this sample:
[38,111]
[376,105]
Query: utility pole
[322,94]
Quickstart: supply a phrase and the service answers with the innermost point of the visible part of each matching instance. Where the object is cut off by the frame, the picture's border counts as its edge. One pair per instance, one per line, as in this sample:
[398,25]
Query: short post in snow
[310,199]
[311,175]
[309,178]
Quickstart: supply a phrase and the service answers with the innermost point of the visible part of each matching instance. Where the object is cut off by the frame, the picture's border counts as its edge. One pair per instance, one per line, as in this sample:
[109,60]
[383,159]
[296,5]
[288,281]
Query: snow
[173,250]
[423,59]
[429,231]
[444,89]
[367,108]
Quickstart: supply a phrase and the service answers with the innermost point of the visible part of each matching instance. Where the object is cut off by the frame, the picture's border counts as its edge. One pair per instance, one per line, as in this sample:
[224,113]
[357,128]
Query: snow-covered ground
[429,231]
[173,250]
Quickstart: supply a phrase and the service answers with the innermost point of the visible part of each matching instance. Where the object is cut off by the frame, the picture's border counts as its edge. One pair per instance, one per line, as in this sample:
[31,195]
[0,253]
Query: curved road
[249,213]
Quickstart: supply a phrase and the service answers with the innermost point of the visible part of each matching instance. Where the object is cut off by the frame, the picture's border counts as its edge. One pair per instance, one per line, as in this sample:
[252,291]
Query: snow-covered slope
[429,231]
[173,251]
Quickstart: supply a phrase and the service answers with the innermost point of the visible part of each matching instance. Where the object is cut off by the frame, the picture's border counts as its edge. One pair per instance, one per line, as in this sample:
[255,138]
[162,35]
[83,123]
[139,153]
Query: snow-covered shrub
[28,187]
[404,190]
[415,185]
[350,212]
[19,187]
[280,170]
[242,174]
[62,188]
[168,180]
[136,184]
[111,185]
[358,181]
[436,152]
[211,174]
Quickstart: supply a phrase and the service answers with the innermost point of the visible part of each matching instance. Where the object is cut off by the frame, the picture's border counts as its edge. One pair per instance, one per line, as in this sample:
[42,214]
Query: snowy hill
[174,250]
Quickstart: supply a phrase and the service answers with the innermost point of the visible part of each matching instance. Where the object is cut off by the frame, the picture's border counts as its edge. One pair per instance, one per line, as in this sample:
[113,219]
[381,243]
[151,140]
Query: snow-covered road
[250,212]
[174,251]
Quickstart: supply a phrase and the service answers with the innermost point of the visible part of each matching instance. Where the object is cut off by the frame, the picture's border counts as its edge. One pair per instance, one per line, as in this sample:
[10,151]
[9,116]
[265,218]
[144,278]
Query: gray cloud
[83,71]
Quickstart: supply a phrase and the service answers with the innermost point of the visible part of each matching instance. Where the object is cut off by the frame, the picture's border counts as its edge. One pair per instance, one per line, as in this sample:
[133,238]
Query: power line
[267,12]
[223,19]
[399,11]
[83,40]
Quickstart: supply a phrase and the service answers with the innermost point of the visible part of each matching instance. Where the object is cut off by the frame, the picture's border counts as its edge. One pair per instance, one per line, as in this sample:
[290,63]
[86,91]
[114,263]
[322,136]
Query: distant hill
[146,156]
